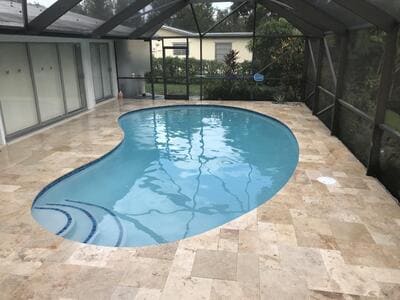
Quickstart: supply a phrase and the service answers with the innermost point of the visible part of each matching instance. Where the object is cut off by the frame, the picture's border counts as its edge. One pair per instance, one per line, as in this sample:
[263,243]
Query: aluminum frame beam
[24,6]
[315,15]
[331,66]
[157,21]
[344,41]
[120,17]
[224,18]
[51,14]
[386,81]
[318,76]
[196,21]
[370,13]
[305,27]
[210,1]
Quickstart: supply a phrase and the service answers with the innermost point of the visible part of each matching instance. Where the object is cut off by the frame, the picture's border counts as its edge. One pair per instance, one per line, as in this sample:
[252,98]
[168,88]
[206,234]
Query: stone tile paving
[311,241]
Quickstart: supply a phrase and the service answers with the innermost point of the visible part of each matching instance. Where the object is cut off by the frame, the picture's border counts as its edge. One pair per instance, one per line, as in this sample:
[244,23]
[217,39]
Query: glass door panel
[96,71]
[16,91]
[105,70]
[46,72]
[175,71]
[70,76]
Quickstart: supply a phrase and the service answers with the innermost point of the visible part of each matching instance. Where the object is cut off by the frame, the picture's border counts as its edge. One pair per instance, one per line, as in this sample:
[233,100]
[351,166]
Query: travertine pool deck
[310,241]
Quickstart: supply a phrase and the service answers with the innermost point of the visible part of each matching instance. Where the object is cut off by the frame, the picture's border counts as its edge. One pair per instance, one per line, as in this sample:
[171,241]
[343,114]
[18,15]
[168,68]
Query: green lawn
[174,89]
[392,119]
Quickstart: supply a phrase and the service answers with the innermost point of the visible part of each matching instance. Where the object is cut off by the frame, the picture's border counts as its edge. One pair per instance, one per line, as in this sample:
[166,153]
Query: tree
[184,19]
[243,18]
[231,63]
[277,54]
[100,9]
[240,21]
[155,5]
[121,4]
[135,20]
[79,9]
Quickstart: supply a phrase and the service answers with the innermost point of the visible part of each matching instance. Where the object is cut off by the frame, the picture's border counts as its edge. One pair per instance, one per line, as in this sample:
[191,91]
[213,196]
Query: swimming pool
[179,171]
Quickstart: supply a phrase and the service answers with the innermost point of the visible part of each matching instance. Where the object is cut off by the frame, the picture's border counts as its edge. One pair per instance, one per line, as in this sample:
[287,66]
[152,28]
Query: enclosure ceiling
[139,19]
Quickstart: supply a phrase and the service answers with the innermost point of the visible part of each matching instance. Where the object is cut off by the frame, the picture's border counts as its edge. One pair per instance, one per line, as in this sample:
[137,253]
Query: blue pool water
[180,171]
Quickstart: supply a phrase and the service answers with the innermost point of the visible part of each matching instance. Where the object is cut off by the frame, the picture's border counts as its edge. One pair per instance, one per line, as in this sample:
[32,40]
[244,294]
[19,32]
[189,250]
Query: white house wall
[239,44]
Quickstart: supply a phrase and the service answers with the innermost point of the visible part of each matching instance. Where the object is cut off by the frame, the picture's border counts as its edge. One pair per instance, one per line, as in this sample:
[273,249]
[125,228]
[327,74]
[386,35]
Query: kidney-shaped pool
[180,171]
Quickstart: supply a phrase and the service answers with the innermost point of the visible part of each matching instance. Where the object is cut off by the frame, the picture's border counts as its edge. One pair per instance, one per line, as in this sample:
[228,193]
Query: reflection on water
[180,171]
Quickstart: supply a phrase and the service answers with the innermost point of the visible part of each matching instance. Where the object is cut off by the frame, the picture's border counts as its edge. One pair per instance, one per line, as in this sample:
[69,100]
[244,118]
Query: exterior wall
[86,64]
[239,44]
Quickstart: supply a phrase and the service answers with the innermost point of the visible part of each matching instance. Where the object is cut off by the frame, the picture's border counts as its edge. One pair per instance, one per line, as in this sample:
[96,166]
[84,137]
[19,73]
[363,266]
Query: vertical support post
[201,49]
[116,66]
[318,76]
[163,72]
[187,68]
[386,82]
[98,53]
[113,68]
[201,67]
[253,44]
[151,69]
[312,57]
[25,13]
[344,40]
[329,58]
[305,68]
[254,36]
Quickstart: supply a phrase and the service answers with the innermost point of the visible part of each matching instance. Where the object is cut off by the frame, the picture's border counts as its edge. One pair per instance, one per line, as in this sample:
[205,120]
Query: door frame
[96,46]
[186,48]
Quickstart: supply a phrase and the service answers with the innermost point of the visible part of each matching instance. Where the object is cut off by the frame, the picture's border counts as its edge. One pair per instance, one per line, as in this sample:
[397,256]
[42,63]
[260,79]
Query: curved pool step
[62,231]
[120,236]
[88,214]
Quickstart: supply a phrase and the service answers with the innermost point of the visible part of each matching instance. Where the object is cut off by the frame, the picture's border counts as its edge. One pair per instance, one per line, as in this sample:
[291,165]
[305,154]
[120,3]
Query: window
[180,52]
[221,50]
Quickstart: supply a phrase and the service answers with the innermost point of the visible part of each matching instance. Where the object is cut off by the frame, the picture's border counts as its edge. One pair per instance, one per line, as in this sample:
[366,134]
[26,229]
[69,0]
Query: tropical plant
[279,54]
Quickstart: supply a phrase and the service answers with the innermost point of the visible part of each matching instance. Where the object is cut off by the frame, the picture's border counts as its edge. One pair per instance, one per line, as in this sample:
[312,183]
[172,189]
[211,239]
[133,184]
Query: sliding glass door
[46,71]
[101,69]
[39,83]
[17,97]
[70,76]
[105,70]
